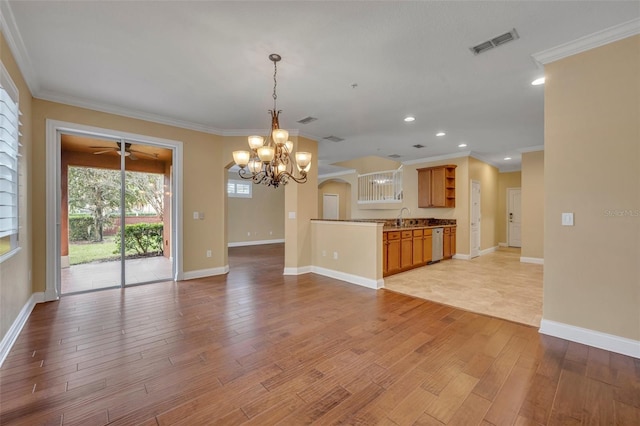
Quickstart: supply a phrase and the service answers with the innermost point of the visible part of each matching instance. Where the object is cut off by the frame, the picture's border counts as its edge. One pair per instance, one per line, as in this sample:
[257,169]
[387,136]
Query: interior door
[475,219]
[330,206]
[514,217]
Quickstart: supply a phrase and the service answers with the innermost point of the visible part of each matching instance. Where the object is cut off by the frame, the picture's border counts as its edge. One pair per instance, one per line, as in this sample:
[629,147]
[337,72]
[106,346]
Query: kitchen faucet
[399,218]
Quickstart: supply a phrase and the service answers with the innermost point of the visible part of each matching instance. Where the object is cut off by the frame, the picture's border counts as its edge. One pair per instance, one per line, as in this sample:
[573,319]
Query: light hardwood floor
[496,284]
[257,347]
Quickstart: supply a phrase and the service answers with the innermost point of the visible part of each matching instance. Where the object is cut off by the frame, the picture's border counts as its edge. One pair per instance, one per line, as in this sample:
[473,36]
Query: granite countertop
[410,227]
[408,223]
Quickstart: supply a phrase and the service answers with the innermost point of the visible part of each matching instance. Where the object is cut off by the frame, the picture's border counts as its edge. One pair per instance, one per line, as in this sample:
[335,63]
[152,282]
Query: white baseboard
[254,243]
[594,338]
[297,271]
[503,245]
[536,260]
[489,250]
[14,331]
[462,256]
[350,278]
[203,273]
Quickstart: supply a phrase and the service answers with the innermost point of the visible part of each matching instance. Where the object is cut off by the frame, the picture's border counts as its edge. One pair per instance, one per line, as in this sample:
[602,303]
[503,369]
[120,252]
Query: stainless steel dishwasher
[437,237]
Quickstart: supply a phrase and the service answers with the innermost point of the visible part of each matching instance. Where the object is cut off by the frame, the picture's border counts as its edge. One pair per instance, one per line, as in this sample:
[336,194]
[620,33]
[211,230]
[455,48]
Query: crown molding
[531,149]
[126,112]
[483,159]
[9,29]
[588,42]
[437,158]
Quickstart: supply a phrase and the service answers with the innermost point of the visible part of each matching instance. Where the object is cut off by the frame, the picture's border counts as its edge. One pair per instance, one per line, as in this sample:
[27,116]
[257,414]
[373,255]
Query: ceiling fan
[128,152]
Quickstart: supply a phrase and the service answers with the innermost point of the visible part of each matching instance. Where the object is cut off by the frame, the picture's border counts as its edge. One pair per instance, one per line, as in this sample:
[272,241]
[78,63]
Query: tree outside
[94,206]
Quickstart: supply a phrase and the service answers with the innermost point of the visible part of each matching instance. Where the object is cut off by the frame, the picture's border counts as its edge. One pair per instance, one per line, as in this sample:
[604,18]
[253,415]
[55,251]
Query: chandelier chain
[275,84]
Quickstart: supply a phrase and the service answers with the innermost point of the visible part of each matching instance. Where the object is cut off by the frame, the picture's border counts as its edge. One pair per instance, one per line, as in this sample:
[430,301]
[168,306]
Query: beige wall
[204,178]
[15,288]
[358,247]
[591,165]
[505,181]
[302,200]
[370,164]
[343,190]
[260,217]
[532,200]
[487,175]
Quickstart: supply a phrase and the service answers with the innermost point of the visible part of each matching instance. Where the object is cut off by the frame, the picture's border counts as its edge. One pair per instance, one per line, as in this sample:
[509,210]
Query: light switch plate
[567,219]
[292,215]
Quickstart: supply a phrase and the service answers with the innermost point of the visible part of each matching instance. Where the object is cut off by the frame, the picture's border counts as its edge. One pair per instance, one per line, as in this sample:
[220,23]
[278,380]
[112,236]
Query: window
[9,154]
[238,189]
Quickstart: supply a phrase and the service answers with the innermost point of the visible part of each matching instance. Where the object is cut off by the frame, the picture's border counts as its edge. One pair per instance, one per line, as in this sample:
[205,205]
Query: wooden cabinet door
[453,240]
[427,246]
[417,248]
[406,255]
[393,256]
[438,192]
[385,254]
[424,188]
[446,246]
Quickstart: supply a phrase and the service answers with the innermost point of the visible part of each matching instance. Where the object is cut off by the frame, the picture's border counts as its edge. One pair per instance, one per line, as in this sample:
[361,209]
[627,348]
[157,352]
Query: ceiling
[359,67]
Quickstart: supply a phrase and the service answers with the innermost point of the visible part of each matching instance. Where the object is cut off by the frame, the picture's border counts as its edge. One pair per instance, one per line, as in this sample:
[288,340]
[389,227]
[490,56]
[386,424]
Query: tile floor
[496,284]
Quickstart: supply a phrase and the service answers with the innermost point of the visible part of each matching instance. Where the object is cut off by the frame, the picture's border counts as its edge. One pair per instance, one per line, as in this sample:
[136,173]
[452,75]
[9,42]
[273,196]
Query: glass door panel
[147,213]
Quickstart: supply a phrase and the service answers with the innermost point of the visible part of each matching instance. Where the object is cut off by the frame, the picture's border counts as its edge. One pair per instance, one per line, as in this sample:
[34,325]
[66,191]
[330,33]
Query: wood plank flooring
[257,347]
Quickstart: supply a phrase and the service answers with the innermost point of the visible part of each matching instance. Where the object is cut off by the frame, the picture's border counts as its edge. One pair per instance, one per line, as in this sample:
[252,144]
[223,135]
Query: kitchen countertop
[411,227]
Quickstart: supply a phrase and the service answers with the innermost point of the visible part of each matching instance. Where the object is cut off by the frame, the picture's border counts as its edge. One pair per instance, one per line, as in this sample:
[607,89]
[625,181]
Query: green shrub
[142,239]
[81,227]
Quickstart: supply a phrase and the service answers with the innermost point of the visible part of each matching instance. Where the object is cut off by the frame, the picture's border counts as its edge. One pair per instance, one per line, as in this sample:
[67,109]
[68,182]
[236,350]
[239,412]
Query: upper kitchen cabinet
[437,186]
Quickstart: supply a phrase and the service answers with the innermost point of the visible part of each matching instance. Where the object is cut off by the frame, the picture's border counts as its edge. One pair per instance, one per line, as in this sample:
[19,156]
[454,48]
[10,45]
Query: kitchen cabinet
[453,240]
[393,252]
[446,244]
[417,247]
[437,186]
[406,255]
[427,245]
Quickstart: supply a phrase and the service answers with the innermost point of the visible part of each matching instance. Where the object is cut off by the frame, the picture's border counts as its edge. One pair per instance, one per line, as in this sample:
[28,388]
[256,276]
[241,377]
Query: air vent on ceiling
[307,120]
[333,138]
[394,156]
[495,42]
[418,146]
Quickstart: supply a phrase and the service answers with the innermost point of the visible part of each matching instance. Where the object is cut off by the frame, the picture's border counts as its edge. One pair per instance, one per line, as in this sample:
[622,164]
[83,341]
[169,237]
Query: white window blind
[239,189]
[9,159]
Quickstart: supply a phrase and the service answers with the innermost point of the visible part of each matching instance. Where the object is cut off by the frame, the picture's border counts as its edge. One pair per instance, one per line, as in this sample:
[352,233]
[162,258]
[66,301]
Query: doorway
[115,209]
[514,217]
[330,206]
[475,219]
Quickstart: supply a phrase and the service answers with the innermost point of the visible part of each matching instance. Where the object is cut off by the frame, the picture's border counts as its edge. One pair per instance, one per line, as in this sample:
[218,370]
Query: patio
[98,275]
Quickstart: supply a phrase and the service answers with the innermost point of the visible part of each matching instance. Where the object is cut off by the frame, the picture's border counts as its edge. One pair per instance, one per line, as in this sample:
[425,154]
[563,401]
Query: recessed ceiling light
[538,81]
[507,158]
[409,118]
[462,145]
[440,134]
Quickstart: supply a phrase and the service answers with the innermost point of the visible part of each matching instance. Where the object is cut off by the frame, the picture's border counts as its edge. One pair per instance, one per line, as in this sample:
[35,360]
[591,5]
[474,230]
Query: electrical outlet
[335,255]
[270,232]
[324,253]
[208,253]
[196,215]
[249,234]
[567,219]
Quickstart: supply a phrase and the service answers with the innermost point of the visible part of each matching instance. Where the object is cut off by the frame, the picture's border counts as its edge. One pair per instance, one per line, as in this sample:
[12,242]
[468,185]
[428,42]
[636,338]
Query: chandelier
[270,162]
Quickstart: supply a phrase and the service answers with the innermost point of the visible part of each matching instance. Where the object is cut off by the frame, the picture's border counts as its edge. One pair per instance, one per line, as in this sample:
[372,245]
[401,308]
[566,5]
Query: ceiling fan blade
[132,156]
[102,147]
[144,154]
[104,152]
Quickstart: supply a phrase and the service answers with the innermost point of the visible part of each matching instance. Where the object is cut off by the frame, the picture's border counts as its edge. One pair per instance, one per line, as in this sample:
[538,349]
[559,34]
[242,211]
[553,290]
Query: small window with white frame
[9,160]
[239,189]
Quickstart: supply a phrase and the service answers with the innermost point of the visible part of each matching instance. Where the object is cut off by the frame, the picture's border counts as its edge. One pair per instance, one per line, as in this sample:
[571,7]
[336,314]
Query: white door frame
[473,254]
[509,190]
[337,204]
[54,128]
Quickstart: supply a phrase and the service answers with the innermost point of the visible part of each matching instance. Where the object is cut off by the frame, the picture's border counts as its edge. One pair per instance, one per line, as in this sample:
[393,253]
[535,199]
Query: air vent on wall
[307,120]
[418,146]
[495,42]
[394,156]
[333,138]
